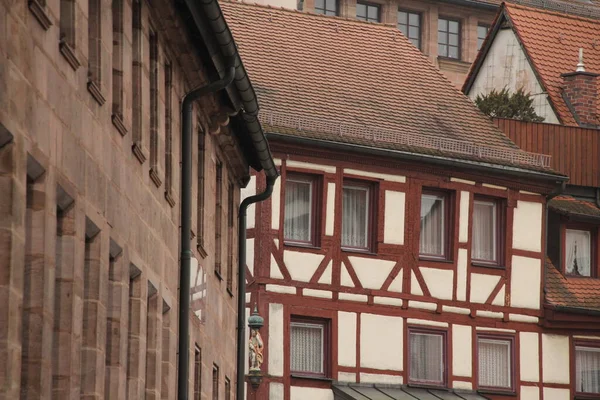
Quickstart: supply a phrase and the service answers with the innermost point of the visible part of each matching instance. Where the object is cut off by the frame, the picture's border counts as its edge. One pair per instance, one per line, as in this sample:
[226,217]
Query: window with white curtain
[426,358]
[433,225]
[355,216]
[298,218]
[587,369]
[578,252]
[307,347]
[494,362]
[484,239]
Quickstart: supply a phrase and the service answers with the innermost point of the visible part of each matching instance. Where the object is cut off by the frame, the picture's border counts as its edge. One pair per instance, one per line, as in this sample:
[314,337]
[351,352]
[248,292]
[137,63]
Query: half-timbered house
[402,251]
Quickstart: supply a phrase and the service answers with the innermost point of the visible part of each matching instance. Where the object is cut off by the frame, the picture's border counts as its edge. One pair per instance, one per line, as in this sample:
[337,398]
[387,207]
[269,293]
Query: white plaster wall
[393,232]
[275,391]
[482,286]
[530,393]
[428,322]
[324,294]
[456,310]
[250,255]
[500,298]
[275,339]
[461,275]
[396,285]
[330,210]
[381,378]
[555,358]
[525,282]
[305,165]
[465,181]
[274,270]
[523,318]
[248,191]
[415,287]
[371,272]
[345,278]
[301,266]
[381,342]
[349,377]
[461,350]
[507,66]
[462,385]
[326,277]
[440,282]
[529,356]
[556,394]
[385,177]
[363,298]
[305,393]
[423,305]
[281,289]
[390,301]
[527,226]
[347,339]
[275,204]
[463,221]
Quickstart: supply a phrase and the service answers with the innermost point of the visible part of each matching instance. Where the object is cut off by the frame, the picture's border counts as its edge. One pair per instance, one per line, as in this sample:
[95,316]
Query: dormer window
[579,251]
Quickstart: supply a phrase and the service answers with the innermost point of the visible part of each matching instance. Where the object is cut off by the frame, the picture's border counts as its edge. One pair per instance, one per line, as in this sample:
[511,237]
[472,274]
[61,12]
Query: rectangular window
[117,66]
[427,357]
[155,142]
[201,188]
[356,215]
[326,7]
[494,361]
[487,228]
[299,224]
[230,217]
[578,252]
[587,369]
[449,38]
[435,225]
[308,346]
[218,215]
[409,23]
[168,75]
[197,373]
[95,49]
[215,382]
[482,31]
[368,12]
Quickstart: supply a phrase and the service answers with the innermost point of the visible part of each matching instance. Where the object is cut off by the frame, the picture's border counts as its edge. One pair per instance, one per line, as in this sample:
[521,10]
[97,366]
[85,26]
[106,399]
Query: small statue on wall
[256,350]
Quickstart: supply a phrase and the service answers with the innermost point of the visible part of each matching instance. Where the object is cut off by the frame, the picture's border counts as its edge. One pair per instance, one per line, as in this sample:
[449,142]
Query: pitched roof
[551,41]
[362,391]
[362,80]
[568,205]
[577,292]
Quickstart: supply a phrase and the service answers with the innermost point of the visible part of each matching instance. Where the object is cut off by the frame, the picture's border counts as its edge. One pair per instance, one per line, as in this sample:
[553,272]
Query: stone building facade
[90,199]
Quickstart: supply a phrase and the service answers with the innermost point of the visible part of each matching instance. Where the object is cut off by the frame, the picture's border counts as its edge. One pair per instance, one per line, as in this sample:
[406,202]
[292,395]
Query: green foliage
[502,104]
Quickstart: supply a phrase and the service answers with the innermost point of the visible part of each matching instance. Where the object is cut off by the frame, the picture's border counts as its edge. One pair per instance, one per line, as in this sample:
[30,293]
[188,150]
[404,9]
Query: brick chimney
[580,90]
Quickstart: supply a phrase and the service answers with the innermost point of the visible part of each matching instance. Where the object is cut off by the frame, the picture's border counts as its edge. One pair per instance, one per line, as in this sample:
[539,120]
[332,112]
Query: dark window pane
[373,13]
[361,11]
[413,19]
[402,17]
[453,26]
[319,5]
[413,32]
[332,6]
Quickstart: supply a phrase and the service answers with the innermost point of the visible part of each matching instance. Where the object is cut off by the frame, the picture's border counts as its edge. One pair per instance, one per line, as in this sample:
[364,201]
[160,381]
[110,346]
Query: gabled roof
[362,391]
[551,41]
[356,82]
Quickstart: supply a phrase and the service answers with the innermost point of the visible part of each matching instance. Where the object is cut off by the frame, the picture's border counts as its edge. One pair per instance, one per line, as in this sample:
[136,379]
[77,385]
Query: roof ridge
[565,14]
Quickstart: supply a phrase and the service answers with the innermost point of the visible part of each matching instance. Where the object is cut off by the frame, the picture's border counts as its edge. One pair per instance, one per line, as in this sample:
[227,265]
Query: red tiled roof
[353,72]
[568,205]
[575,292]
[552,41]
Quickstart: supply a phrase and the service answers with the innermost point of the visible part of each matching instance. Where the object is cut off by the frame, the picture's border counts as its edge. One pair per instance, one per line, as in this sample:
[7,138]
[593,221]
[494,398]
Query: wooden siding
[574,150]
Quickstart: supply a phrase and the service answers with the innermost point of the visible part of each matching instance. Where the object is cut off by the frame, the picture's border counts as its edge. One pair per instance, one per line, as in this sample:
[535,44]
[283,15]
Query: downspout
[241,342]
[186,222]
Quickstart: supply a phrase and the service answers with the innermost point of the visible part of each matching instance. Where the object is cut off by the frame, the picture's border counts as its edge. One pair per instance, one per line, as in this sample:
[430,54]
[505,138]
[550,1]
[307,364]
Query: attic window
[579,250]
[449,38]
[482,31]
[326,7]
[368,12]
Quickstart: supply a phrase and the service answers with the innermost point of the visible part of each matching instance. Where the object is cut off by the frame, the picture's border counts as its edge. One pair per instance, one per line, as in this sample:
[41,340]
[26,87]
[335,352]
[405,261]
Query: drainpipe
[186,222]
[241,347]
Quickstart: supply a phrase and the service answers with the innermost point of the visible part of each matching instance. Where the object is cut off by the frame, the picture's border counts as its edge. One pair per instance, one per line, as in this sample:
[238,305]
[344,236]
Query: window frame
[448,197]
[408,25]
[429,331]
[316,182]
[588,344]
[324,10]
[368,4]
[460,26]
[492,389]
[500,232]
[580,226]
[487,27]
[371,214]
[326,346]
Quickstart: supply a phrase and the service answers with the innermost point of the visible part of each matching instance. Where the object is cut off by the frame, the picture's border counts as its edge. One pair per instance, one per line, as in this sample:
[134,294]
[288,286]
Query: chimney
[580,92]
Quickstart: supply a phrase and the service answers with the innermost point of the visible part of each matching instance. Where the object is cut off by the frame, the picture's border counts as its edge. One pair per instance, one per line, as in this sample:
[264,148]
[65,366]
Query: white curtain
[578,252]
[426,358]
[494,363]
[587,370]
[306,345]
[355,216]
[298,202]
[484,231]
[432,225]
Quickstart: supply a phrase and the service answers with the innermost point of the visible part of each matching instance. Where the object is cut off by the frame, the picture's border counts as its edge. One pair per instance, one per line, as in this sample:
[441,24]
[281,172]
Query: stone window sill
[67,51]
[39,12]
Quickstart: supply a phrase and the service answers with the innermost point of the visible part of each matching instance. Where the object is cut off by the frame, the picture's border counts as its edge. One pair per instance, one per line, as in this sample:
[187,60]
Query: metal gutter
[405,155]
[473,4]
[575,310]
